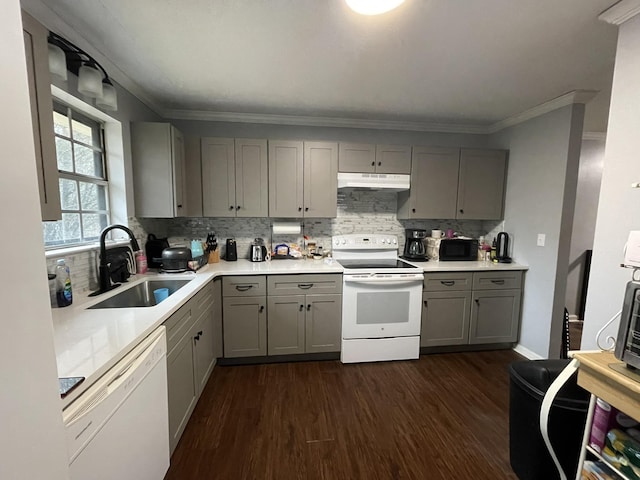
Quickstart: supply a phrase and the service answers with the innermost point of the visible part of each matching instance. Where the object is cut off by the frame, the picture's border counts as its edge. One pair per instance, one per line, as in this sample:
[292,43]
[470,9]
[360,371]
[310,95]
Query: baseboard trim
[525,352]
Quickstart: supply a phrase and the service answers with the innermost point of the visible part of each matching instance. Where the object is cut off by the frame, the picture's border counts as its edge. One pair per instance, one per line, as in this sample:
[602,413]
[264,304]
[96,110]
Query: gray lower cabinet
[192,335]
[495,316]
[323,323]
[461,308]
[244,304]
[286,329]
[445,318]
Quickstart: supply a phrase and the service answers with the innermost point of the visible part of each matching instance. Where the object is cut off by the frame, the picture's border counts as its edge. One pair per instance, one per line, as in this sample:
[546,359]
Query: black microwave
[460,249]
[628,342]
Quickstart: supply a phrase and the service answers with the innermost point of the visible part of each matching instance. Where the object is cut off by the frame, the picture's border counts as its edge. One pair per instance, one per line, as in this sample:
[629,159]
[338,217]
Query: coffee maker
[414,248]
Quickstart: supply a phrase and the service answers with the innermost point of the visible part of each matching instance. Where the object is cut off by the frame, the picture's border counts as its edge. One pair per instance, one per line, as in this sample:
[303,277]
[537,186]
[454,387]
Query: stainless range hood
[375,181]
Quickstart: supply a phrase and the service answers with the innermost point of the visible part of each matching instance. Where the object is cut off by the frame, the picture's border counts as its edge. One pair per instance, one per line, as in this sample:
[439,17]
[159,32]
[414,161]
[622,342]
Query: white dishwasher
[119,427]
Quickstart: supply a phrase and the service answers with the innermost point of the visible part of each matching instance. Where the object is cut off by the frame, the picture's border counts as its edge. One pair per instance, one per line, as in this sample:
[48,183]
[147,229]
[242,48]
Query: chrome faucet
[103,270]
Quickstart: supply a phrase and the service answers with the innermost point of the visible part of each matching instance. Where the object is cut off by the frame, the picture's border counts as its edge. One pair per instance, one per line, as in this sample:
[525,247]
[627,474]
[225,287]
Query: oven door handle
[384,281]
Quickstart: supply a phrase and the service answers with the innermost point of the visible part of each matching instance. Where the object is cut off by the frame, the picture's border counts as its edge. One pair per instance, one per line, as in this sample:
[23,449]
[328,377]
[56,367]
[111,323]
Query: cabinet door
[181,388]
[393,159]
[37,56]
[434,184]
[218,177]
[323,323]
[203,334]
[245,326]
[153,176]
[252,181]
[193,176]
[445,318]
[179,177]
[286,179]
[481,184]
[320,179]
[285,330]
[495,316]
[357,158]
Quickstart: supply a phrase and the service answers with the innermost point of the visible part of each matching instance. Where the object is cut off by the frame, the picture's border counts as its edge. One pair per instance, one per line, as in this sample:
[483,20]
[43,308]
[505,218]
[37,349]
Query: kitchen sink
[140,295]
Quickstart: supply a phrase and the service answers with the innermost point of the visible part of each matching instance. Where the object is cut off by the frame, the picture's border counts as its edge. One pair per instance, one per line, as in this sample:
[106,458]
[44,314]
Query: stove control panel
[365,242]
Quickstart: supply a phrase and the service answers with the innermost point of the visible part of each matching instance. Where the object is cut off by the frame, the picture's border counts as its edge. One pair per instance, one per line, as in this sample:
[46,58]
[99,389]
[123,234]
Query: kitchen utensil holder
[214,257]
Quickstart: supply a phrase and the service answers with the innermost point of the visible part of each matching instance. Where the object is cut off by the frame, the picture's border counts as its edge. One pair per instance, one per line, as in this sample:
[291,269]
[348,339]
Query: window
[84,195]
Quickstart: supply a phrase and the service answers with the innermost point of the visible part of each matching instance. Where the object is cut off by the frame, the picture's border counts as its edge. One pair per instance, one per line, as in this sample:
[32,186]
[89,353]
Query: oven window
[382,307]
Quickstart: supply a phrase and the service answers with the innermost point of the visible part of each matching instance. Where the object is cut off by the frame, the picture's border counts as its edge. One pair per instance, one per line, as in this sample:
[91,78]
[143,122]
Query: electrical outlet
[541,239]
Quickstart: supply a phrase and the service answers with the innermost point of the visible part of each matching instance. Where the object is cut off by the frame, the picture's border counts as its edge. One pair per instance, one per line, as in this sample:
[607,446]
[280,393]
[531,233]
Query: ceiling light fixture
[373,7]
[93,80]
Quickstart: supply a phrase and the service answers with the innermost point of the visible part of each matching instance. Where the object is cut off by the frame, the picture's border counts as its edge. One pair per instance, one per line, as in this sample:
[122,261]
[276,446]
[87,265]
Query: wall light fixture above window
[93,80]
[373,7]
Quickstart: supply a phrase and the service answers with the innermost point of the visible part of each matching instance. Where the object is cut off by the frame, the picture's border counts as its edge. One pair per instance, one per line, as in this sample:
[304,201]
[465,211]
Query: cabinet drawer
[304,284]
[497,280]
[178,324]
[202,300]
[447,281]
[244,286]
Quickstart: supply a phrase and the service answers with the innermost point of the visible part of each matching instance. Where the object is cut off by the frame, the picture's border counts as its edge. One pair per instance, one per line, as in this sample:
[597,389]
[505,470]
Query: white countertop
[90,342]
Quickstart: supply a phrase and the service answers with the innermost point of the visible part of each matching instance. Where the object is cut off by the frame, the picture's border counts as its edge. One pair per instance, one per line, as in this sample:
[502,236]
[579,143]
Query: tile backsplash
[359,211]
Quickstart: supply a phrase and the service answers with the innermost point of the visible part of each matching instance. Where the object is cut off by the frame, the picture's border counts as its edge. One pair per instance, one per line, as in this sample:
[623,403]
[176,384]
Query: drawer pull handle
[243,288]
[477,302]
[308,307]
[448,283]
[497,282]
[301,307]
[425,303]
[261,308]
[305,286]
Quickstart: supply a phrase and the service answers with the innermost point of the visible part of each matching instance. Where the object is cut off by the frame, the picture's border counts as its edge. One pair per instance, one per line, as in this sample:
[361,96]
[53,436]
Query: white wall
[32,443]
[541,183]
[619,207]
[584,219]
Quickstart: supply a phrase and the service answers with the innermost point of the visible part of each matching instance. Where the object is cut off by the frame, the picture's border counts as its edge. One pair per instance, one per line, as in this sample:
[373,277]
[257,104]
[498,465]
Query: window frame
[73,113]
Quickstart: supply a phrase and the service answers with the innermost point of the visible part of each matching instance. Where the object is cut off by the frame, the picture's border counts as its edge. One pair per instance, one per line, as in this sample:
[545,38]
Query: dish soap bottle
[64,295]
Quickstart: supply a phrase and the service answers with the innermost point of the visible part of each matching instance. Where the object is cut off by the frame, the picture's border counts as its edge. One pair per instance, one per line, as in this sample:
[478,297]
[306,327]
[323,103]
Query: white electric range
[381,299]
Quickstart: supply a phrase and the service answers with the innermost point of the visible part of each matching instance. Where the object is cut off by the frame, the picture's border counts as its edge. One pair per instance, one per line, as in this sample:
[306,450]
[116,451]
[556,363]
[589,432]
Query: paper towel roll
[286,228]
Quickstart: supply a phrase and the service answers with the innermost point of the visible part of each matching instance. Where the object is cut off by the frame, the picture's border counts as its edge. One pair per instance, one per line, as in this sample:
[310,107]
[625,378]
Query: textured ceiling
[453,61]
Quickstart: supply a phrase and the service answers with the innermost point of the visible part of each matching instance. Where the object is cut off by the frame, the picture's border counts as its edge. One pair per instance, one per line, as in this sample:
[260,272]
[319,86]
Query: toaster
[176,259]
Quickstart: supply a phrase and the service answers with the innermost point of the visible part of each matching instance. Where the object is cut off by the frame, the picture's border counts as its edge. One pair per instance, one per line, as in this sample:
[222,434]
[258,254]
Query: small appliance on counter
[176,259]
[414,248]
[258,252]
[153,249]
[231,252]
[458,249]
[502,248]
[433,247]
[627,346]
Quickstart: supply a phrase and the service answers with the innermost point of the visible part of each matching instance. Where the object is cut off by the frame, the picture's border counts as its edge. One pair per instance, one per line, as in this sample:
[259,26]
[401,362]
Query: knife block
[214,256]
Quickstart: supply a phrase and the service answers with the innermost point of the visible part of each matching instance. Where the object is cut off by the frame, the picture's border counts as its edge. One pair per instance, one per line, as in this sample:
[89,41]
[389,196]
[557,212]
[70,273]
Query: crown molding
[620,12]
[576,96]
[600,136]
[320,121]
[53,22]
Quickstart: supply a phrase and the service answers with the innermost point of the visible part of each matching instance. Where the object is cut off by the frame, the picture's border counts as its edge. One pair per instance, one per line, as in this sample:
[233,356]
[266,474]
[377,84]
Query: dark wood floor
[441,417]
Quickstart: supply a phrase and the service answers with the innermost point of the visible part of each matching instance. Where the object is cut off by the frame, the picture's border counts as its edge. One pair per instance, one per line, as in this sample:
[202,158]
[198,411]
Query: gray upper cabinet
[234,177]
[193,172]
[320,179]
[481,184]
[434,184]
[286,179]
[158,170]
[37,56]
[393,159]
[302,179]
[369,158]
[357,158]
